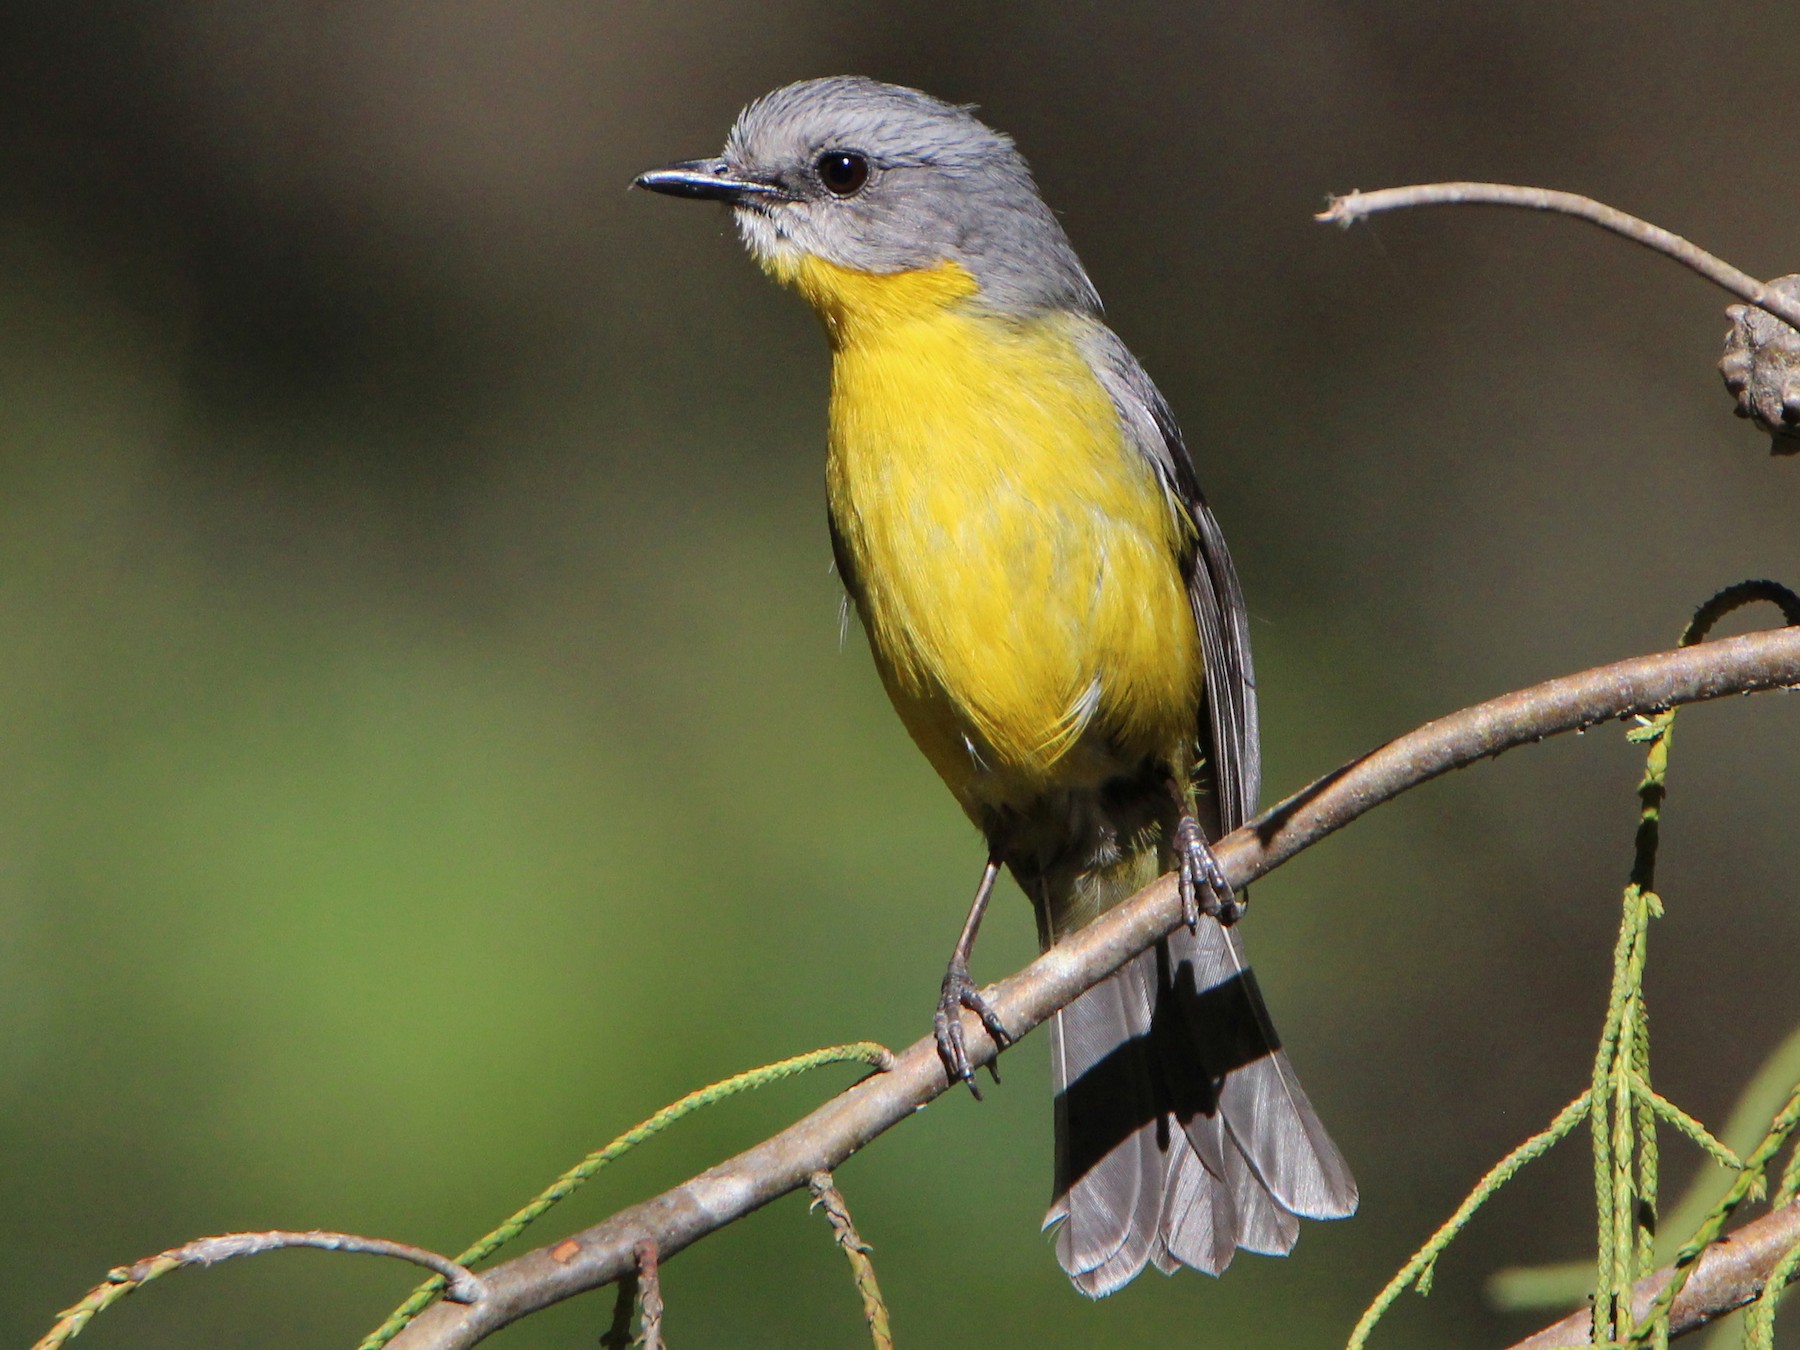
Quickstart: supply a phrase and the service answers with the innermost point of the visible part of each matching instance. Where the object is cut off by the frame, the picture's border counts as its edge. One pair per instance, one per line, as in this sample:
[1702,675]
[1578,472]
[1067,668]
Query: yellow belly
[1017,561]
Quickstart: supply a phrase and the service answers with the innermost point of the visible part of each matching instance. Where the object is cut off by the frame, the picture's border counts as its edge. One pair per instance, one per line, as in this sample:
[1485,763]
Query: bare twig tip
[1356,205]
[1341,210]
[461,1285]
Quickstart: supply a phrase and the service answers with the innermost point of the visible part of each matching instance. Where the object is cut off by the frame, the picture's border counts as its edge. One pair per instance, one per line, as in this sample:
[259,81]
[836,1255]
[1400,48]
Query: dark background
[427,748]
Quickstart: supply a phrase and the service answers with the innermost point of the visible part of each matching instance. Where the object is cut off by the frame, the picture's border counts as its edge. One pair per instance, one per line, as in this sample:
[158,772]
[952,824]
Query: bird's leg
[960,992]
[1199,868]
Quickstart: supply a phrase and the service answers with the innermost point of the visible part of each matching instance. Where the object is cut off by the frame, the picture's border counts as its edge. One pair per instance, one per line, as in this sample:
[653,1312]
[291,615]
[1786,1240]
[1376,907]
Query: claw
[1200,870]
[946,1024]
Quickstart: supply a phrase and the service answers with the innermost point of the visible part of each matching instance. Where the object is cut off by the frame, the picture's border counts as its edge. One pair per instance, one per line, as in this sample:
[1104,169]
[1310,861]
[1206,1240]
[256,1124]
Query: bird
[1056,619]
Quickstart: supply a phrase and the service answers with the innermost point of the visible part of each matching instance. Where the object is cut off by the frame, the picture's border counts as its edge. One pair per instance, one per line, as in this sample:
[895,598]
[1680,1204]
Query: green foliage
[862,1052]
[124,1280]
[1623,1109]
[1423,1265]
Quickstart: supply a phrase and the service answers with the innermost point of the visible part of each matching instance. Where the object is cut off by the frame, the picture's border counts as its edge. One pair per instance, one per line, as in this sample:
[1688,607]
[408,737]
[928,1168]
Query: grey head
[881,178]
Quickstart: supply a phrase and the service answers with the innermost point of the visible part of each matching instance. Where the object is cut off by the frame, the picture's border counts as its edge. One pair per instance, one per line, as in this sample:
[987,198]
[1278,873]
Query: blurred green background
[427,744]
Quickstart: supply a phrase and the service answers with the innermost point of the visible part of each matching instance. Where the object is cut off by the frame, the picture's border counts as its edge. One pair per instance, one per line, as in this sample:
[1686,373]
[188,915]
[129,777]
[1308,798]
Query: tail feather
[1111,1164]
[1264,1226]
[1265,1110]
[1182,1133]
[1200,1226]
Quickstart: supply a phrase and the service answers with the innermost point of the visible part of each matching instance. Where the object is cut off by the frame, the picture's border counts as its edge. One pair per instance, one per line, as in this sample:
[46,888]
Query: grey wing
[1234,743]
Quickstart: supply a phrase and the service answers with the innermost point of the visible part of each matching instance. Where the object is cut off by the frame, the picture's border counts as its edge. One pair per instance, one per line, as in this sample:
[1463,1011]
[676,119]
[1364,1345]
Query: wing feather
[1228,731]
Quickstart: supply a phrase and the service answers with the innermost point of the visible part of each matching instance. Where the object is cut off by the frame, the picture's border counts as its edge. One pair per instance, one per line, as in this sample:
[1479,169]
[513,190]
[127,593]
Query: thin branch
[1759,1320]
[650,1299]
[1693,1129]
[1354,206]
[827,1197]
[462,1285]
[1733,1272]
[824,1139]
[1530,1288]
[1748,1181]
[861,1052]
[1418,1271]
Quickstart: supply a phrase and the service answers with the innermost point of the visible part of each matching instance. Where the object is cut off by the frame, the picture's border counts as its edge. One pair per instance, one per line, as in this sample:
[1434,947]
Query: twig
[1354,206]
[1748,1181]
[1693,1129]
[1419,1269]
[1790,1180]
[1529,1288]
[1620,1102]
[462,1285]
[649,1279]
[828,1198]
[1759,1321]
[822,1140]
[1731,1273]
[859,1052]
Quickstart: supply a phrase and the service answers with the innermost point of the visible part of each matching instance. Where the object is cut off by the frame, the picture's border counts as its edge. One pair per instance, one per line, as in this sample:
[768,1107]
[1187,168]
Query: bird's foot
[1200,872]
[959,993]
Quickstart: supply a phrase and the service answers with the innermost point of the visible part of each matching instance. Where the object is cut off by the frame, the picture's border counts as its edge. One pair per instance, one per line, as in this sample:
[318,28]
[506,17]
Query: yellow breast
[1017,561]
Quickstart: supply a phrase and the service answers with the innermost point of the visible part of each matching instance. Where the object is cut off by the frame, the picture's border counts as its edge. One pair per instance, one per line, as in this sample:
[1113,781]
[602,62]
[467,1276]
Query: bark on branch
[1731,1273]
[825,1138]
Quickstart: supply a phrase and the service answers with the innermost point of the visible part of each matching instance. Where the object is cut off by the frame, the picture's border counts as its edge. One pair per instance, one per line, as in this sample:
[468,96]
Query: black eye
[842,172]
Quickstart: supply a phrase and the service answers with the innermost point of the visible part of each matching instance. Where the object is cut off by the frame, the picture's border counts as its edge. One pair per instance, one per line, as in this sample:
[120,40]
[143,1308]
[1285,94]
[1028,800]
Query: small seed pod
[1761,366]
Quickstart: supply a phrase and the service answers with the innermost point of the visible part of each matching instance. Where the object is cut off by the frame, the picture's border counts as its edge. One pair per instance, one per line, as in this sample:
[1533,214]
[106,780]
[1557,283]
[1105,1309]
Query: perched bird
[1056,619]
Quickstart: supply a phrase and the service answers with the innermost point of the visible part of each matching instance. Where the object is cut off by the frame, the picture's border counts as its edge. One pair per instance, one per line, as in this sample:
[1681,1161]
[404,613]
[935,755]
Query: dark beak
[708,180]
